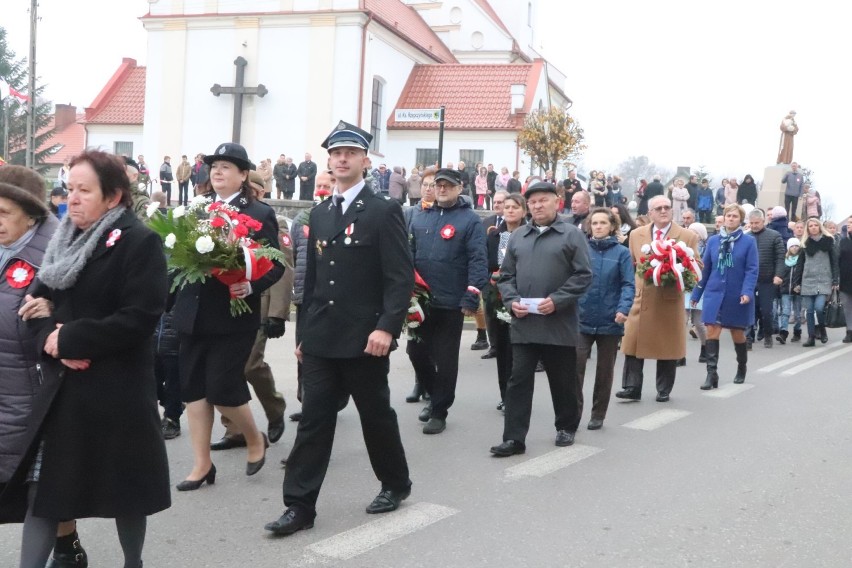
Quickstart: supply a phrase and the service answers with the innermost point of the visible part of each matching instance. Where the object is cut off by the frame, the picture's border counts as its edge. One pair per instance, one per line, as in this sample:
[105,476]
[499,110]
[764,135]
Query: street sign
[418,115]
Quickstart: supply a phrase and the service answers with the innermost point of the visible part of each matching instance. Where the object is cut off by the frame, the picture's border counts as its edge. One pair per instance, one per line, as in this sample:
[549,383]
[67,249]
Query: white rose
[654,262]
[204,244]
[170,240]
[197,201]
[645,249]
[151,209]
[178,212]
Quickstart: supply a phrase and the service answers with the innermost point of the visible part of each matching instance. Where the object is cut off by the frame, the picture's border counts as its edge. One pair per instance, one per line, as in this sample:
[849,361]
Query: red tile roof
[476,97]
[122,100]
[71,140]
[407,23]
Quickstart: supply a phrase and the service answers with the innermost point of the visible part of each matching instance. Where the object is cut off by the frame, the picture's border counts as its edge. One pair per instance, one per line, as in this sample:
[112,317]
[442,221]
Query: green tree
[551,136]
[14,117]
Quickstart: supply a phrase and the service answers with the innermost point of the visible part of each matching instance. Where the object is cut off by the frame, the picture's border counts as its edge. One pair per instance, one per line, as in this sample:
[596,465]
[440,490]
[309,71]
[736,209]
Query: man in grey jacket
[545,271]
[794,182]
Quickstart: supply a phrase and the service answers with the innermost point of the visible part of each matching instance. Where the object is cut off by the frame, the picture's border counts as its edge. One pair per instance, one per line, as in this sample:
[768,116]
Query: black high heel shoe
[254,467]
[187,485]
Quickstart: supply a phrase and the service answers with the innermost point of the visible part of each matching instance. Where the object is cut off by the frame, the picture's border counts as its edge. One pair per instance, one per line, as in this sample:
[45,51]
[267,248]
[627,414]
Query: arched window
[376,116]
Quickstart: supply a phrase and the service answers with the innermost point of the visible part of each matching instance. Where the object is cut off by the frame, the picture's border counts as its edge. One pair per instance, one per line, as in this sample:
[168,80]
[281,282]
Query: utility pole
[30,151]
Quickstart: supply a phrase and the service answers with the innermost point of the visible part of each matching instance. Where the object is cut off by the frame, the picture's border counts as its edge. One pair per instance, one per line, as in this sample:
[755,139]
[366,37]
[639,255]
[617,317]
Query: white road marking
[790,360]
[728,390]
[550,462]
[817,361]
[388,527]
[657,419]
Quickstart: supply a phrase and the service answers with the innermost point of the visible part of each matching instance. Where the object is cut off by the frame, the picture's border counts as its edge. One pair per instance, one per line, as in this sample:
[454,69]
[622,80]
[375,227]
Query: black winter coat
[845,262]
[770,253]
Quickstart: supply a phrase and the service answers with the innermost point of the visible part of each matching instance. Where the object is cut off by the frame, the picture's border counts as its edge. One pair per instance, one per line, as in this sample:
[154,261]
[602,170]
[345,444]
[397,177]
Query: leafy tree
[551,136]
[14,71]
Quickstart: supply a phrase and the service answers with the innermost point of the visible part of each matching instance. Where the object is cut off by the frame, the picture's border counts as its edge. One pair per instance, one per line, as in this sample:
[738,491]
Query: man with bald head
[581,201]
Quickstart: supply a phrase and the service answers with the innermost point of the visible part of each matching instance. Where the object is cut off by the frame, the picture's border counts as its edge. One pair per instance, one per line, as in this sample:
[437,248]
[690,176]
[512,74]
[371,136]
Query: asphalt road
[753,476]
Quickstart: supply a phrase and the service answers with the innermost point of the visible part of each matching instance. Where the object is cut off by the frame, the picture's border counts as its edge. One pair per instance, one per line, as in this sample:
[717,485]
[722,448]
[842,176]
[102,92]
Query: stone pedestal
[772,190]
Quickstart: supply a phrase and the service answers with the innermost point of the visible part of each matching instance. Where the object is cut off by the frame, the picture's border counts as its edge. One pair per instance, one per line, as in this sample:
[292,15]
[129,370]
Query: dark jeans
[764,302]
[325,382]
[167,189]
[560,364]
[607,351]
[791,203]
[166,371]
[436,357]
[634,375]
[705,216]
[183,192]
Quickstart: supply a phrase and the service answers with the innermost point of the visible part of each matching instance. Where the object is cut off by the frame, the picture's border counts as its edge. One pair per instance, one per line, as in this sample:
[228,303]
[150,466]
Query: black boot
[742,359]
[481,341]
[782,336]
[797,336]
[415,394]
[711,351]
[848,338]
[702,357]
[681,362]
[823,334]
[68,553]
[810,342]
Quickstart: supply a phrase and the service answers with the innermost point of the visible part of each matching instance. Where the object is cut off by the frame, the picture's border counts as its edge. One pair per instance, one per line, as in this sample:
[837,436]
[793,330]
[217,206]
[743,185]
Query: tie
[659,234]
[338,208]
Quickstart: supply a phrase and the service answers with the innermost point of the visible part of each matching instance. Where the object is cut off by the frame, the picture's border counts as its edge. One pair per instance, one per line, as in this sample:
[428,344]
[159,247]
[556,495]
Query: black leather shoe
[295,417]
[187,485]
[387,500]
[662,397]
[435,426]
[681,362]
[629,394]
[68,553]
[490,354]
[229,443]
[508,448]
[595,424]
[171,428]
[254,467]
[293,520]
[275,429]
[425,413]
[564,438]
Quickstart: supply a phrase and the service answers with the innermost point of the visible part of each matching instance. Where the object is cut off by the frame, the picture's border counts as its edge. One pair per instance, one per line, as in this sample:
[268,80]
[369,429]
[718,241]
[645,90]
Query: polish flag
[6,90]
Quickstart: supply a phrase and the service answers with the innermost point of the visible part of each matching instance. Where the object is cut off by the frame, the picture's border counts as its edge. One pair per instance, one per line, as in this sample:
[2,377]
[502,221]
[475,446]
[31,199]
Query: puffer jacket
[791,274]
[299,237]
[770,254]
[612,290]
[780,226]
[448,246]
[20,375]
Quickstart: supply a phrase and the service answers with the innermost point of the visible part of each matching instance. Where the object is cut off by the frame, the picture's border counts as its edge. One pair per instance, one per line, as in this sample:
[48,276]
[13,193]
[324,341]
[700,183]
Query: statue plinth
[772,190]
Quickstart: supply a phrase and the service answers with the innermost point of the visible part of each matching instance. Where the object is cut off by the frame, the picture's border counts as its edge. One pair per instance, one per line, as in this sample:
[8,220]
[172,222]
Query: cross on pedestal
[239,90]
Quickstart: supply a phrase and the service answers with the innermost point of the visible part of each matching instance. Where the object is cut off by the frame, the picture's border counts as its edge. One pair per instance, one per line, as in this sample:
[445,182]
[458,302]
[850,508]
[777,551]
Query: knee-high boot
[416,393]
[742,360]
[711,349]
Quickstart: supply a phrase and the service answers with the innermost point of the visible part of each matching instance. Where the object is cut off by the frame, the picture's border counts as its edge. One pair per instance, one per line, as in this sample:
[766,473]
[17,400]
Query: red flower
[241,231]
[418,281]
[20,274]
[448,231]
[215,206]
[217,223]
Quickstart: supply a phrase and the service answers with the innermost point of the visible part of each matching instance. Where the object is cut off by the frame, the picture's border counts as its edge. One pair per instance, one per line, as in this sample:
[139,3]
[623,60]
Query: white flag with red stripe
[6,91]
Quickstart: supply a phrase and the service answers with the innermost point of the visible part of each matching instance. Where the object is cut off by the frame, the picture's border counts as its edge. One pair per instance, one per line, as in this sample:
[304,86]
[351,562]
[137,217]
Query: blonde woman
[818,278]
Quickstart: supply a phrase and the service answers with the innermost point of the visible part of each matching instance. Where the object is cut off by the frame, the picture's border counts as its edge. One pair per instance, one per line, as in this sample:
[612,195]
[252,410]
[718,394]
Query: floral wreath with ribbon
[421,296]
[669,263]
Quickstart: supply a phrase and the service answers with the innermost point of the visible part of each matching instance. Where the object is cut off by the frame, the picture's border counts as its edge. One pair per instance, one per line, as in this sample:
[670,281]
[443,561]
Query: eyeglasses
[662,208]
[428,185]
[444,186]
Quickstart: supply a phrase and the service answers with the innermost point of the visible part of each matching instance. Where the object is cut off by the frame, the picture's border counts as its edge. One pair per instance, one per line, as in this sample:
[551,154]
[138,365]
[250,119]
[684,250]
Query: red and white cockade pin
[448,231]
[114,235]
[20,274]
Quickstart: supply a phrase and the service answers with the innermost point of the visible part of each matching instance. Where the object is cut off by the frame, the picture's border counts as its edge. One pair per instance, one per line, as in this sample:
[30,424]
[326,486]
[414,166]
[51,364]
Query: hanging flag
[6,90]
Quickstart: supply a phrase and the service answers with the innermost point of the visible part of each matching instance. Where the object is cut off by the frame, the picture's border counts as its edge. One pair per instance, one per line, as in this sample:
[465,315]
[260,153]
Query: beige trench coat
[656,325]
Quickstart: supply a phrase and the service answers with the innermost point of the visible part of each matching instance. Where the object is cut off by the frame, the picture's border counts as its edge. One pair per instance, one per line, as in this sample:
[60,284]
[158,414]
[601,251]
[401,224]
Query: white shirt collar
[665,231]
[350,194]
[228,200]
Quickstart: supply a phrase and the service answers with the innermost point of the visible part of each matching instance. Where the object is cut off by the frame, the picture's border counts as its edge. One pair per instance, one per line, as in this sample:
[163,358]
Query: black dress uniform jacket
[354,288]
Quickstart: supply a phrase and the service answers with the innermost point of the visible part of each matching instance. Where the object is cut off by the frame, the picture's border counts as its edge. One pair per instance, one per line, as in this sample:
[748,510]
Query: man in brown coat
[655,327]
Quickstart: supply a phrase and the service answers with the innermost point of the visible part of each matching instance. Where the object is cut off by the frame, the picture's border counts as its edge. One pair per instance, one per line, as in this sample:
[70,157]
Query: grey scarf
[66,256]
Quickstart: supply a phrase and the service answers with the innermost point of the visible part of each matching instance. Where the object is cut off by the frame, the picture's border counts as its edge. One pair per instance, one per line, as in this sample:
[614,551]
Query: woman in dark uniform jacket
[214,346]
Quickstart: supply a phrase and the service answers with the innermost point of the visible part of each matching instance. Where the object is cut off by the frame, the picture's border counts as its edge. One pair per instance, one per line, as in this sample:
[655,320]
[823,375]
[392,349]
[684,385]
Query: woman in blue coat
[727,285]
[604,309]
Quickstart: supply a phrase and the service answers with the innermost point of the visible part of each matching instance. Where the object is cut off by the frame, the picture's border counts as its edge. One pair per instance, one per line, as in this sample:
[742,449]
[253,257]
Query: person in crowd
[94,446]
[448,244]
[731,190]
[159,198]
[467,178]
[693,313]
[484,316]
[770,252]
[844,264]
[794,182]
[654,188]
[680,200]
[779,223]
[502,180]
[166,178]
[604,309]
[727,287]
[642,220]
[413,182]
[138,197]
[214,345]
[831,227]
[811,203]
[598,189]
[571,184]
[184,171]
[747,191]
[307,173]
[58,203]
[704,202]
[382,176]
[62,175]
[144,178]
[397,185]
[642,206]
[720,198]
[692,187]
[514,184]
[492,181]
[799,230]
[514,211]
[278,175]
[625,223]
[655,324]
[581,202]
[615,196]
[819,277]
[791,301]
[290,172]
[481,187]
[274,312]
[547,259]
[355,302]
[200,176]
[718,222]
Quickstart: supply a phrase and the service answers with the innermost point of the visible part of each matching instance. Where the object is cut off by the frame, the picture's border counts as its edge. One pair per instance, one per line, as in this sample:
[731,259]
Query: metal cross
[239,91]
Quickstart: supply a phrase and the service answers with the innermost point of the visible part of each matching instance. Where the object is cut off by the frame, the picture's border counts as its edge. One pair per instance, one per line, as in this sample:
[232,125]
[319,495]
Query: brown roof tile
[122,100]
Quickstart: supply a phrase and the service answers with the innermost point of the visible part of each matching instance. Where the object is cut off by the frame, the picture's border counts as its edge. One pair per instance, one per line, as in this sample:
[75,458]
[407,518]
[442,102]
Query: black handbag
[833,315]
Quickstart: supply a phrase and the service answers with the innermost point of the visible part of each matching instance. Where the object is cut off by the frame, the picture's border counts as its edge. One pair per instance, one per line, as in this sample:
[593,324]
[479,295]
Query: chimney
[64,115]
[519,93]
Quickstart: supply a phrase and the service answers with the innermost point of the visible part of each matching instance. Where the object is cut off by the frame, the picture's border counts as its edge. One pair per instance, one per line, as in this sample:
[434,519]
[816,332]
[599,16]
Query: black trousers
[436,357]
[791,203]
[765,293]
[183,192]
[634,374]
[167,373]
[325,381]
[167,189]
[502,343]
[306,190]
[560,364]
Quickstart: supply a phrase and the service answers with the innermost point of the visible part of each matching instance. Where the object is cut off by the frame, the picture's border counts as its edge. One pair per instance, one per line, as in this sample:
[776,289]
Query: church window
[471,158]
[376,116]
[122,148]
[426,156]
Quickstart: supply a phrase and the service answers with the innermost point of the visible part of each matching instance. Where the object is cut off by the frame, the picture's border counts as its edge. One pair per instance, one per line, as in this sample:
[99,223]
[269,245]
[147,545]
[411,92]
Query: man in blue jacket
[448,245]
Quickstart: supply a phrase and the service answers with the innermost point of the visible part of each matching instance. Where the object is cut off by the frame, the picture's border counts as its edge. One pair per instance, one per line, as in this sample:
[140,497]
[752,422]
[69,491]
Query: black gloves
[274,327]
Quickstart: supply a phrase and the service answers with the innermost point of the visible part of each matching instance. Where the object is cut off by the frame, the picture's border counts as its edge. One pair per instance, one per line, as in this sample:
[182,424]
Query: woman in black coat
[95,445]
[747,191]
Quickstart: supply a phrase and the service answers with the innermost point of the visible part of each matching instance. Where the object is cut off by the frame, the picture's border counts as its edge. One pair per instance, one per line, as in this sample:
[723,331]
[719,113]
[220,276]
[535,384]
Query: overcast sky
[684,83]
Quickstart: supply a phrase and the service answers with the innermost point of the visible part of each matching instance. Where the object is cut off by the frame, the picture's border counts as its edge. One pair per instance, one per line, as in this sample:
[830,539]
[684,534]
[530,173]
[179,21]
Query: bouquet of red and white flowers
[206,239]
[420,298]
[669,263]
